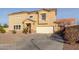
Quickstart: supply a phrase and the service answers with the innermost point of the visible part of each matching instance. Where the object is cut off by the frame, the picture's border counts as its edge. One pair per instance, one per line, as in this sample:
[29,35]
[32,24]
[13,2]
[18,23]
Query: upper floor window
[30,16]
[43,16]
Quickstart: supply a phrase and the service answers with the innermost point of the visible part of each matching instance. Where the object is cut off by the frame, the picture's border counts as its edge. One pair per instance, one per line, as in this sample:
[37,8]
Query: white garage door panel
[44,29]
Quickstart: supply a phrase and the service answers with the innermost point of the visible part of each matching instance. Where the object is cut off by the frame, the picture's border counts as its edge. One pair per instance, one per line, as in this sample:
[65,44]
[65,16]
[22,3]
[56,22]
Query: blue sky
[68,13]
[5,11]
[61,13]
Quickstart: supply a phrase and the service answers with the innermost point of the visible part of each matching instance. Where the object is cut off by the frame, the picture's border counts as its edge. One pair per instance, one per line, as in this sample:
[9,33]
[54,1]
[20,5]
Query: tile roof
[65,20]
[20,12]
[46,9]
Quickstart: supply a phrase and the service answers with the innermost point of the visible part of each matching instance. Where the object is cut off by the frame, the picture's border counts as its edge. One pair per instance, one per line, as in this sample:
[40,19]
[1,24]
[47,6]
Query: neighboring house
[40,21]
[66,22]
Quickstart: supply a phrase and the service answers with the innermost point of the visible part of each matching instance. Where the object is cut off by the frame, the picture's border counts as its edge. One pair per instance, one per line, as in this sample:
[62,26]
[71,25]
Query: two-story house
[40,21]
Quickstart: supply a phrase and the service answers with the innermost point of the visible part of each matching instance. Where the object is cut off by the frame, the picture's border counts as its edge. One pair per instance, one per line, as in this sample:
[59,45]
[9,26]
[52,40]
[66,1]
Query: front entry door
[28,27]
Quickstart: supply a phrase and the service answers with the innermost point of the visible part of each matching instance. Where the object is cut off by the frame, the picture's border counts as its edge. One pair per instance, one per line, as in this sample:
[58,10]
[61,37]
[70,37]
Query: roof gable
[28,20]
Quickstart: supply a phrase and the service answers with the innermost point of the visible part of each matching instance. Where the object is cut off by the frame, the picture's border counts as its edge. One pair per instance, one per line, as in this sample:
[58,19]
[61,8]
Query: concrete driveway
[21,41]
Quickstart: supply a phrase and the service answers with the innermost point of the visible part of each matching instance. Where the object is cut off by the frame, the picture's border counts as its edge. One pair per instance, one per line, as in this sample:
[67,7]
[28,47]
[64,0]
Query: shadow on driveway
[57,37]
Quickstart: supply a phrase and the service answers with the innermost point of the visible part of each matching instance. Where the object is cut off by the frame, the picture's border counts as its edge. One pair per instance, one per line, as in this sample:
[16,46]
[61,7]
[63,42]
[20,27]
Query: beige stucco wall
[50,18]
[16,19]
[34,24]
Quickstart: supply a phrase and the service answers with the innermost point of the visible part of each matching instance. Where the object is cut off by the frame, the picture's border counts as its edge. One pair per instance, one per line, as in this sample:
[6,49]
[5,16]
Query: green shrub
[14,32]
[2,30]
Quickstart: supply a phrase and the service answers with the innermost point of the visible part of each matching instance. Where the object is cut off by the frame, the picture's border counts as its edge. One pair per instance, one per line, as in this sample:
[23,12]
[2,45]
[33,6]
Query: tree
[5,26]
[0,25]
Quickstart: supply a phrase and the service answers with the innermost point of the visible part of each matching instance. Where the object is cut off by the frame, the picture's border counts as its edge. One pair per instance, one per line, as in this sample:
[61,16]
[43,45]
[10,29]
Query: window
[14,27]
[17,27]
[31,16]
[43,16]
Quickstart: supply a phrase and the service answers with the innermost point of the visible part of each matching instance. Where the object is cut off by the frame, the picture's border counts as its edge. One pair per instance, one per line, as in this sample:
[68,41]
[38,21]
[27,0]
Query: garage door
[44,29]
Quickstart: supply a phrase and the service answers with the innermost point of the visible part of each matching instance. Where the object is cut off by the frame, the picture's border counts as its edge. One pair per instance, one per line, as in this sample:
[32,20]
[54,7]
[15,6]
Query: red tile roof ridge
[65,20]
